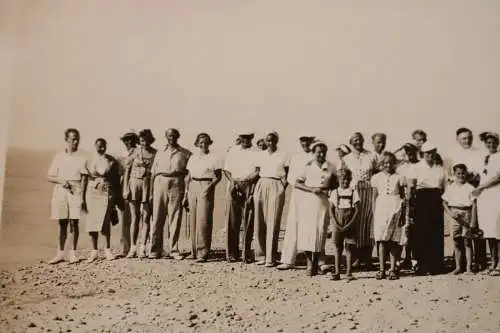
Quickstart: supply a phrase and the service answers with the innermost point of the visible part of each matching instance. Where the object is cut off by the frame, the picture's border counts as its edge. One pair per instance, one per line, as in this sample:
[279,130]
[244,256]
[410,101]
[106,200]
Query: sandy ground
[183,296]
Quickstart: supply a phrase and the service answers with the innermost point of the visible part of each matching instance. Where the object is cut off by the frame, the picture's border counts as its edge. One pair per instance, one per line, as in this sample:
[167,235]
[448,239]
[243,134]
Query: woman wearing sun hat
[429,217]
[488,203]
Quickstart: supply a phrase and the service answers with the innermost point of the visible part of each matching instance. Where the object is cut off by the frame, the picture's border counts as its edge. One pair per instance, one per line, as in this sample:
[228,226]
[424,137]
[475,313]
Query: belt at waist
[168,176]
[202,179]
[275,178]
[461,207]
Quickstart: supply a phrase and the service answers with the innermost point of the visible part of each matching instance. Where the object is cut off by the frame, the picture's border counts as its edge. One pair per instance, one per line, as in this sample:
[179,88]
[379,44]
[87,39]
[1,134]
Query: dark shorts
[343,216]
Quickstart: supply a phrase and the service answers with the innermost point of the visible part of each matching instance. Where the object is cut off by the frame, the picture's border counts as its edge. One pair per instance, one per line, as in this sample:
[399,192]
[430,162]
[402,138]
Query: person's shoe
[109,255]
[73,259]
[284,267]
[269,264]
[178,256]
[261,263]
[153,255]
[58,258]
[141,252]
[93,256]
[132,253]
[191,257]
[201,260]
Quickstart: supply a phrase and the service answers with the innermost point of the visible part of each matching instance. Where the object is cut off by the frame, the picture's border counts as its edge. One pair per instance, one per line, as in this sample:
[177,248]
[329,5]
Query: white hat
[317,143]
[427,147]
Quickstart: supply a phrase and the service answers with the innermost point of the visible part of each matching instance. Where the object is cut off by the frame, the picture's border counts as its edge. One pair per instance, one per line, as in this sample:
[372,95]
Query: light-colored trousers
[269,199]
[289,250]
[201,208]
[168,194]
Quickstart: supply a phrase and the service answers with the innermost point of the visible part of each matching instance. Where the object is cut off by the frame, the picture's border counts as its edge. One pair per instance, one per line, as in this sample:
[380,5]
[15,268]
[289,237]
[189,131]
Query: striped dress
[363,165]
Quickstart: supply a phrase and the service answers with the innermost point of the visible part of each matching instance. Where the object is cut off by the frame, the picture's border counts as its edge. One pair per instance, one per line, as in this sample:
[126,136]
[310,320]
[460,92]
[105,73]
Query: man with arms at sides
[169,171]
[241,173]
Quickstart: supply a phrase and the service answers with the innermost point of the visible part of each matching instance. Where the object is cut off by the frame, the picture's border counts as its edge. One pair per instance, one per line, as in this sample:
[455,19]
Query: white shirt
[472,158]
[297,164]
[362,165]
[68,167]
[407,170]
[339,197]
[492,169]
[240,162]
[316,176]
[272,165]
[429,177]
[386,184]
[203,165]
[459,195]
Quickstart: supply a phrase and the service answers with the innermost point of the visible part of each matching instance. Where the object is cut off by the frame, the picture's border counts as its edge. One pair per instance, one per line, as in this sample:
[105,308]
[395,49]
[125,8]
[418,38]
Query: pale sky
[327,67]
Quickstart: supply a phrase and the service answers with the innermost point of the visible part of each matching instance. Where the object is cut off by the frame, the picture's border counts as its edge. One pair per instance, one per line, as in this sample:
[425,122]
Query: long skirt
[365,221]
[100,203]
[66,204]
[488,212]
[388,218]
[201,208]
[289,250]
[269,199]
[429,229]
[312,222]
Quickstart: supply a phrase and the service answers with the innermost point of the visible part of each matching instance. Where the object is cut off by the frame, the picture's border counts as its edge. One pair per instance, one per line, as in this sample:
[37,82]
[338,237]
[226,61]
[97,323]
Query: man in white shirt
[241,173]
[297,164]
[466,153]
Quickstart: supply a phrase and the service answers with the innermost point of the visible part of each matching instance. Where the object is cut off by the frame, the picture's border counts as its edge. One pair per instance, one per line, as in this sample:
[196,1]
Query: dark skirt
[365,220]
[429,230]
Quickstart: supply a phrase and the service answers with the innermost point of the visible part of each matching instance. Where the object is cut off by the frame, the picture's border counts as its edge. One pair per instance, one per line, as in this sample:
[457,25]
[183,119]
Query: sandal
[350,277]
[393,275]
[380,275]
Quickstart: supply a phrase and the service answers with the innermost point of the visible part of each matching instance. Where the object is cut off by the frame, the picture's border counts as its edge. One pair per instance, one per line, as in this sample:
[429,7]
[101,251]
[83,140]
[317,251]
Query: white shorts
[66,205]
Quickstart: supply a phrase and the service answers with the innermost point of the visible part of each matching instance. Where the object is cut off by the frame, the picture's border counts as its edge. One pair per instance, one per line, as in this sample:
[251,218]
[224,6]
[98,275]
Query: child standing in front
[389,213]
[68,172]
[459,205]
[344,204]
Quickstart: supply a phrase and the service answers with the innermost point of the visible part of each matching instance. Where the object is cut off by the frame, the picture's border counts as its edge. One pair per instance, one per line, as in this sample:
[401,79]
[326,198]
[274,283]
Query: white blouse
[386,184]
[314,175]
[272,165]
[68,167]
[240,162]
[491,169]
[362,165]
[203,165]
[429,176]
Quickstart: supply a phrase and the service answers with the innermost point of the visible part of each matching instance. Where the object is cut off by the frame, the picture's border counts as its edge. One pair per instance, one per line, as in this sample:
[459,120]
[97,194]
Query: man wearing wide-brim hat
[241,173]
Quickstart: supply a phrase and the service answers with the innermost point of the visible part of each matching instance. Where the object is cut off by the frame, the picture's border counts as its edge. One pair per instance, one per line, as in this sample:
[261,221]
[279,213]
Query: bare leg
[458,242]
[381,256]
[76,233]
[94,238]
[348,257]
[492,244]
[63,233]
[134,221]
[107,236]
[337,252]
[468,255]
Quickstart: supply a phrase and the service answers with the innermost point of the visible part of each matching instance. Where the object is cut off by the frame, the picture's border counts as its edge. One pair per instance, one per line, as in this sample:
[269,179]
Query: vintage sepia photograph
[250,166]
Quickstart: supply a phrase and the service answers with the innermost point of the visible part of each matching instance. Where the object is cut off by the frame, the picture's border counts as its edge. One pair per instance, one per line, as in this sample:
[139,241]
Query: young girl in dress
[389,213]
[345,207]
[67,172]
[459,205]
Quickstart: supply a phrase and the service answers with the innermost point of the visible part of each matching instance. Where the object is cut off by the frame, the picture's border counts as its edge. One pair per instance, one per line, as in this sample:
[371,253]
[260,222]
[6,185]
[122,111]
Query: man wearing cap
[130,141]
[168,170]
[241,173]
[297,164]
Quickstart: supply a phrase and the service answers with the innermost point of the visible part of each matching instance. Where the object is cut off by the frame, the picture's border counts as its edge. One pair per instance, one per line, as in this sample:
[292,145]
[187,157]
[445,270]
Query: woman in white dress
[488,194]
[204,169]
[102,192]
[313,212]
[67,172]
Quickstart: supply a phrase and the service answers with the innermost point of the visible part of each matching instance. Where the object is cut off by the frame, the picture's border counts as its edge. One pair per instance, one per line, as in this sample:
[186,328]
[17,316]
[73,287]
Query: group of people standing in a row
[393,200]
